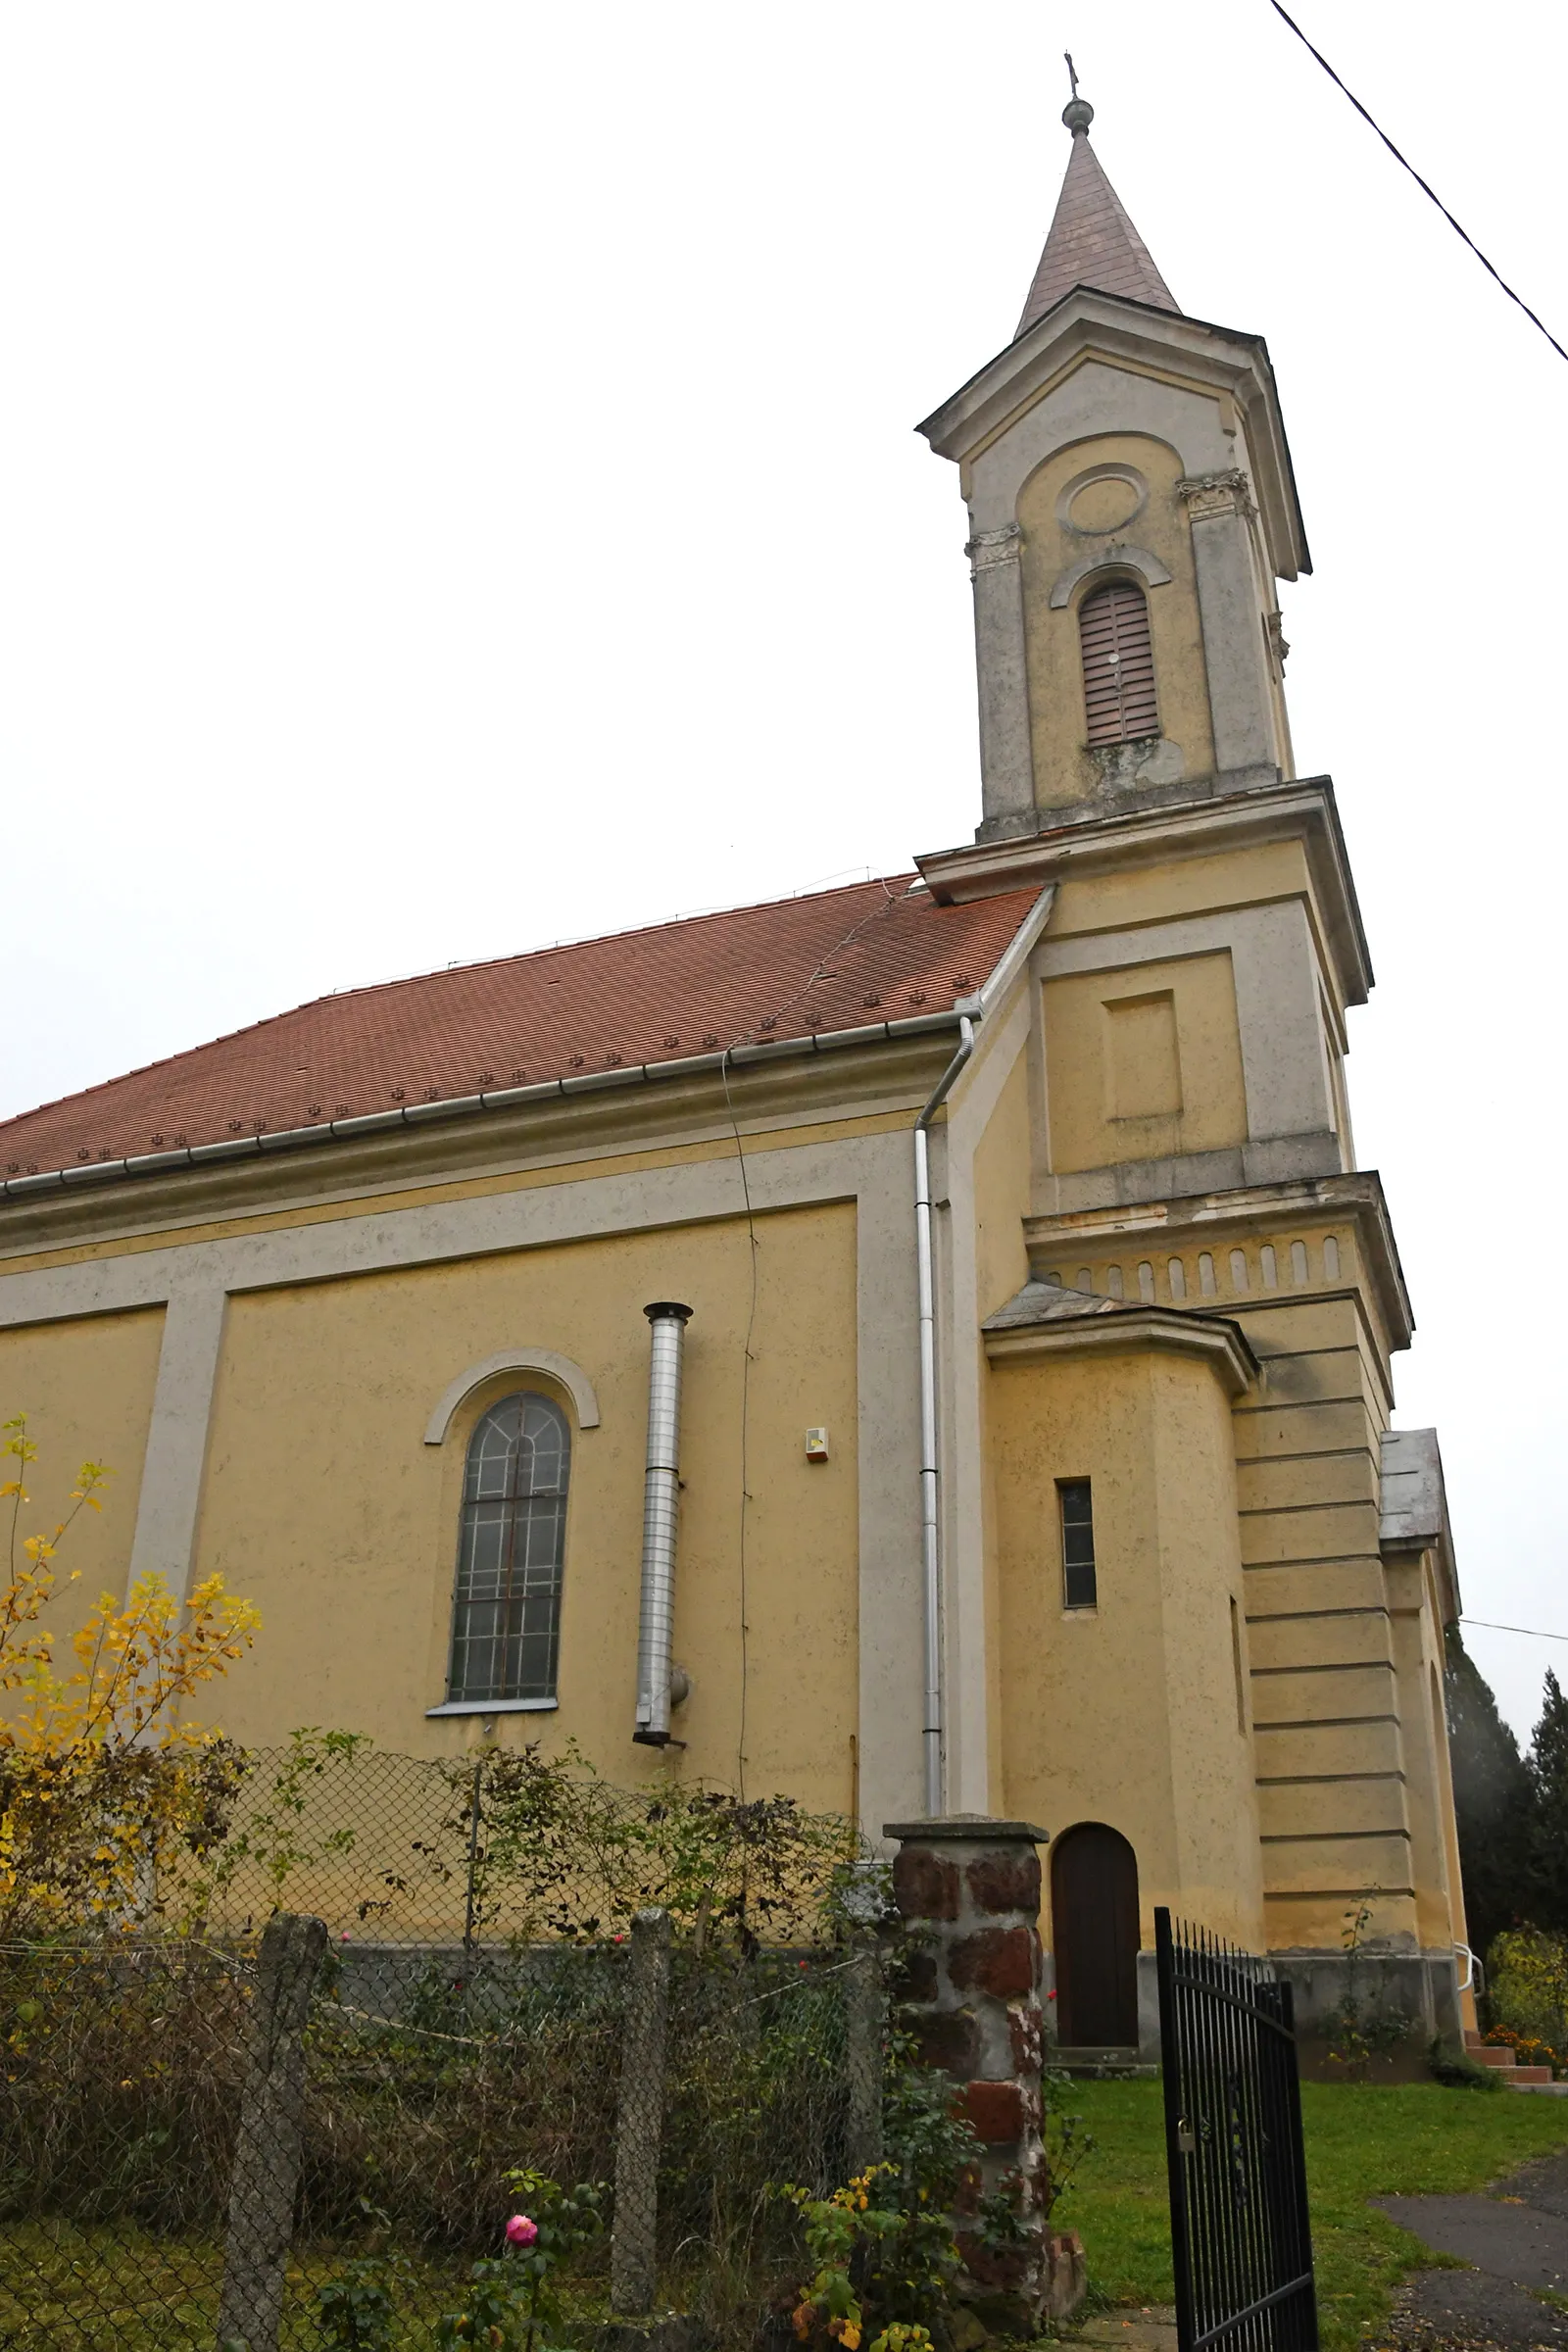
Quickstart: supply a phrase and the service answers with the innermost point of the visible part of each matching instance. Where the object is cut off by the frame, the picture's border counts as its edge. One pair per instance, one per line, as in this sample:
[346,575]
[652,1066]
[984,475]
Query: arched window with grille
[506,1609]
[1118,663]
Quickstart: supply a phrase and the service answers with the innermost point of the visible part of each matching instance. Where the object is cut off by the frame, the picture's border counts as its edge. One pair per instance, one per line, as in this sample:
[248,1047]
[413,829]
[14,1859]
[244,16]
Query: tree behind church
[1546,1768]
[1494,1802]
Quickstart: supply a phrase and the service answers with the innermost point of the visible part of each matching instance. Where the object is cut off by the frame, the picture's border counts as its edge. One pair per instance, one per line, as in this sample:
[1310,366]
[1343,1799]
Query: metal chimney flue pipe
[661,1489]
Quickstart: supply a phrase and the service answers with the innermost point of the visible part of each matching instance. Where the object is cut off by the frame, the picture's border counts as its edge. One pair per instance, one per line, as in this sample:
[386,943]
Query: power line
[1459,232]
[1533,1631]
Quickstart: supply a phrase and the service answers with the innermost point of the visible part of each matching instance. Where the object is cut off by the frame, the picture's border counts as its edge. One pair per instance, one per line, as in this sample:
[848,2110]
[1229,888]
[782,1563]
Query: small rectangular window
[1077,1543]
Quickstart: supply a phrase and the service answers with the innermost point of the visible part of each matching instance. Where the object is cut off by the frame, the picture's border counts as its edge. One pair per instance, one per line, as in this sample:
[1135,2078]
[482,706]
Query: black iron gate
[1239,2225]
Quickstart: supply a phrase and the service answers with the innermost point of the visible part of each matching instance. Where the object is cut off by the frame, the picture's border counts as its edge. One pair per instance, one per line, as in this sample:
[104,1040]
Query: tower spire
[1092,241]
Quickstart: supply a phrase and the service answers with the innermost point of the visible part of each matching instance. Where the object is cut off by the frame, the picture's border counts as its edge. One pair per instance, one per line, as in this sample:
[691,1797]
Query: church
[924,1348]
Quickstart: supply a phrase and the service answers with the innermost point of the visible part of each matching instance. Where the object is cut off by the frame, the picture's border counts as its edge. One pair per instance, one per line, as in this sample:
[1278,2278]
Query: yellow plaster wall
[1332,1730]
[1066,770]
[1144,1062]
[1448,1822]
[1352,1801]
[1418,1668]
[1169,887]
[325,1506]
[86,1389]
[1128,1713]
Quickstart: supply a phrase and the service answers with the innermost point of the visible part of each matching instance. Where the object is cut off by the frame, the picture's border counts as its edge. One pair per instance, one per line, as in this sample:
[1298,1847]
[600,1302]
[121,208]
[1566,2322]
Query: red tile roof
[880,951]
[1091,242]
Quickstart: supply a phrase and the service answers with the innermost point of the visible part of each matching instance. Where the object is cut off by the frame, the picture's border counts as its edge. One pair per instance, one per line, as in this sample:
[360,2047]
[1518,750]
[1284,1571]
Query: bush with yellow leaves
[883,2247]
[869,2248]
[104,1784]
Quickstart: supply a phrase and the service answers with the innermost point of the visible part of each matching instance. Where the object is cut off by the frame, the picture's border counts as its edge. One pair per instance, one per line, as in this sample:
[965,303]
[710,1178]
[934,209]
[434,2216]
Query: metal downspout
[930,1501]
[661,1492]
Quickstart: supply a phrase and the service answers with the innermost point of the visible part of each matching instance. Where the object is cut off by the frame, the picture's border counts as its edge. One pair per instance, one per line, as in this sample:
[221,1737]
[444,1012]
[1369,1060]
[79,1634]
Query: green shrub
[1528,1994]
[1459,2070]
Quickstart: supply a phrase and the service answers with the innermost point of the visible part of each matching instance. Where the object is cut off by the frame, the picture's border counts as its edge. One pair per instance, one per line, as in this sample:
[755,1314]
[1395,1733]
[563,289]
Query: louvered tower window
[1118,663]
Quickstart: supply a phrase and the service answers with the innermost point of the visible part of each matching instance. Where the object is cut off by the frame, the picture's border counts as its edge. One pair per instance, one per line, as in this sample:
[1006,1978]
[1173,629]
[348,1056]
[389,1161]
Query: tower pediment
[1210,390]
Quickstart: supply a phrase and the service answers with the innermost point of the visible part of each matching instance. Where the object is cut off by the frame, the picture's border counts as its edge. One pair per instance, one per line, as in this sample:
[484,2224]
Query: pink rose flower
[521,2231]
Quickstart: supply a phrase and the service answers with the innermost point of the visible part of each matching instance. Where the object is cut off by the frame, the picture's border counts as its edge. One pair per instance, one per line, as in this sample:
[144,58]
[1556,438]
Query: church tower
[1200,1349]
[1131,505]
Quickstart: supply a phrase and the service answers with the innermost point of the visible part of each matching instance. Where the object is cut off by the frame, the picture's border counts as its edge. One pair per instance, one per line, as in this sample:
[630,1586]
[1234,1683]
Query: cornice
[1086,323]
[1213,1219]
[1304,810]
[858,1073]
[1214,1339]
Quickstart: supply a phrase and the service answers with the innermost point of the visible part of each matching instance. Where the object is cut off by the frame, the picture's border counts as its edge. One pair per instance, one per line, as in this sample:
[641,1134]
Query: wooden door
[1094,1912]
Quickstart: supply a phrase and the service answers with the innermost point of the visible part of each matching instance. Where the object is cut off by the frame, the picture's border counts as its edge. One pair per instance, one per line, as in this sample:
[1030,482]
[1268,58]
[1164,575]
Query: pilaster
[1236,653]
[1006,767]
[170,1505]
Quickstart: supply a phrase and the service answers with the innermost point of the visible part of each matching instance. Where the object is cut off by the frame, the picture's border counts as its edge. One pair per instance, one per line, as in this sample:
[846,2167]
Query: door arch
[1093,1918]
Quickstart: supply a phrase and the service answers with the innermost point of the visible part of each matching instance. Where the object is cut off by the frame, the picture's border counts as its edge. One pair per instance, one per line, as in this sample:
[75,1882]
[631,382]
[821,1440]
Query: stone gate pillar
[969,1893]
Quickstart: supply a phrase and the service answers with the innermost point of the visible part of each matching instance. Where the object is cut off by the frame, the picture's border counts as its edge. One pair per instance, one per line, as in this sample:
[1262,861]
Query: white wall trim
[573,1378]
[163,1543]
[1003,1037]
[1019,949]
[494,1706]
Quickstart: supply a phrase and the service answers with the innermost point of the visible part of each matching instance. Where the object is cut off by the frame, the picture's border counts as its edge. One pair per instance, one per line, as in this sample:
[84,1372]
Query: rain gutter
[510,1097]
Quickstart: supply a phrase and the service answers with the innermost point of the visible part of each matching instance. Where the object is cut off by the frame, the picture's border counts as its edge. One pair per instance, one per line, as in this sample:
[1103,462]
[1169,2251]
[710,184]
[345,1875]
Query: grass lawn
[1361,2142]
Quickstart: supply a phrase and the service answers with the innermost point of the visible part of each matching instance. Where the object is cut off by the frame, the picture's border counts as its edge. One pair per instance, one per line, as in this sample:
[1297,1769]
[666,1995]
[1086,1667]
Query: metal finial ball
[1077,113]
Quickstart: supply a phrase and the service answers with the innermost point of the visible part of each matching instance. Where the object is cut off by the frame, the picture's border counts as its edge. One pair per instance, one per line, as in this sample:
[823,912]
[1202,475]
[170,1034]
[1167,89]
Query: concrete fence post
[969,1893]
[266,2154]
[862,2062]
[640,2116]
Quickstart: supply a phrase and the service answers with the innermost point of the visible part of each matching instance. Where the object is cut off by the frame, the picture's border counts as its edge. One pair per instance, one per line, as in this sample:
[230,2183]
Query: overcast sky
[458,491]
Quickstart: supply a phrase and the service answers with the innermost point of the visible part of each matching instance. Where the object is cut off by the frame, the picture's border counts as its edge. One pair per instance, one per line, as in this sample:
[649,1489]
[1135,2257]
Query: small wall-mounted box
[816,1444]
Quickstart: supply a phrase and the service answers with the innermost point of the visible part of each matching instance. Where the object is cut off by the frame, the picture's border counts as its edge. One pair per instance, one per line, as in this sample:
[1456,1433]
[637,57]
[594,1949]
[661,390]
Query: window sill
[494,1706]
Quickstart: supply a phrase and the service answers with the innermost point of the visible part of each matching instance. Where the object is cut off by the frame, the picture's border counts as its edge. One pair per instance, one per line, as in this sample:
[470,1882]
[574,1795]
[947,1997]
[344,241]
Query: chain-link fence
[281,2101]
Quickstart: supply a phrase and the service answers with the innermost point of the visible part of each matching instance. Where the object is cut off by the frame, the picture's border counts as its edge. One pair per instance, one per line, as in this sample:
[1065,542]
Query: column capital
[989,549]
[1210,494]
[1274,628]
